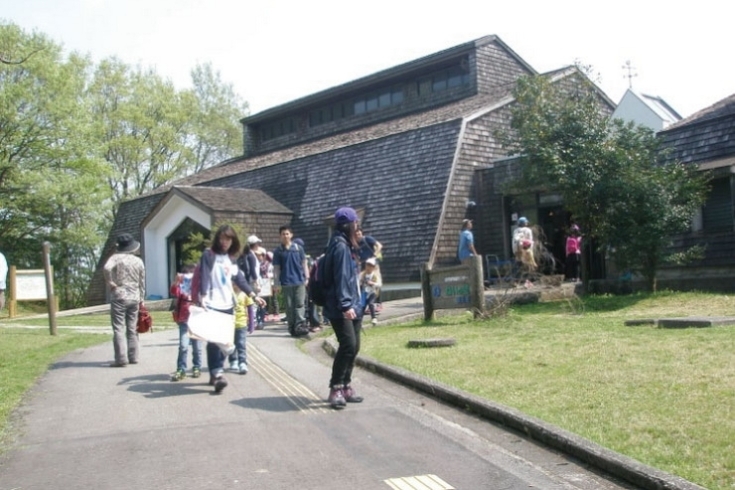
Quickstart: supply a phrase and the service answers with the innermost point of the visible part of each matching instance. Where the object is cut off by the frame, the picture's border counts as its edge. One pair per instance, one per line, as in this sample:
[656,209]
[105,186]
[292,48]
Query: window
[278,128]
[452,77]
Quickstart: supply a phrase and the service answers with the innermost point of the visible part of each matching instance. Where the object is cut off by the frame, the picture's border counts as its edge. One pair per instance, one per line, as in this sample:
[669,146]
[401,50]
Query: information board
[30,285]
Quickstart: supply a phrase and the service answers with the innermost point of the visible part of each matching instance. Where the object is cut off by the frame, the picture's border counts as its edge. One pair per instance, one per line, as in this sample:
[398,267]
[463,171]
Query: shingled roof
[463,108]
[227,199]
[706,136]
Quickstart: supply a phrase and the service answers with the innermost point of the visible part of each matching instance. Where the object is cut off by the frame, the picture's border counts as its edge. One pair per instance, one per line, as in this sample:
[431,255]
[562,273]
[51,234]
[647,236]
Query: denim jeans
[260,317]
[348,336]
[124,317]
[240,356]
[215,356]
[294,297]
[196,346]
[369,303]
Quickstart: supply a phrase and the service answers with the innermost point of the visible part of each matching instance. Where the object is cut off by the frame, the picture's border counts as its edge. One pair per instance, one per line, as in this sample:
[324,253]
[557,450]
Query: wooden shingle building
[707,139]
[411,147]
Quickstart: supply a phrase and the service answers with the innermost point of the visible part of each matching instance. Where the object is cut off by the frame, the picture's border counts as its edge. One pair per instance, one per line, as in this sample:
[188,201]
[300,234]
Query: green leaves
[607,171]
[77,139]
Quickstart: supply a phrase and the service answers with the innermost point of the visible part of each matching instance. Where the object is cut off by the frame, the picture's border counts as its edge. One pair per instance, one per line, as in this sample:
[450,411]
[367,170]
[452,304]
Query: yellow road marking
[299,395]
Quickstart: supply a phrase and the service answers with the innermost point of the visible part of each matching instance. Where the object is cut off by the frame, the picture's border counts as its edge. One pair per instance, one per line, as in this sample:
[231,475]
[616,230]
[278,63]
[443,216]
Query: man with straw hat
[125,276]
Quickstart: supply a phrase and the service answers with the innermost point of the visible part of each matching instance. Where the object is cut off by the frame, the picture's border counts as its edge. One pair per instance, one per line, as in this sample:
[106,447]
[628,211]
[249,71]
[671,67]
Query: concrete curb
[611,462]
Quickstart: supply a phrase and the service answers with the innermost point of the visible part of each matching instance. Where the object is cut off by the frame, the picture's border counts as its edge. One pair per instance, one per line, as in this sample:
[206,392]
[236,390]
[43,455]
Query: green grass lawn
[665,397]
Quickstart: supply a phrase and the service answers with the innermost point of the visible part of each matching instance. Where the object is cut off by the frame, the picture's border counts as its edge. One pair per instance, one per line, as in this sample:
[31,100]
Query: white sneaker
[374,321]
[234,367]
[243,368]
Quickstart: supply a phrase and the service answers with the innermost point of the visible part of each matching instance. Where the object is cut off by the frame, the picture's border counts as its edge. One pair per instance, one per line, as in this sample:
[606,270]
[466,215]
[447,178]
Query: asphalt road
[89,426]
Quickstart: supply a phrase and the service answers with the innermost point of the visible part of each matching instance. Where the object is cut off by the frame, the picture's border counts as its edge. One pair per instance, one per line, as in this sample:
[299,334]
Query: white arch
[155,241]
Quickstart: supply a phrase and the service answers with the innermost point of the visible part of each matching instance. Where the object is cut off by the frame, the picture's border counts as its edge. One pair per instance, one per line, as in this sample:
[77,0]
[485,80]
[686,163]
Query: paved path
[85,425]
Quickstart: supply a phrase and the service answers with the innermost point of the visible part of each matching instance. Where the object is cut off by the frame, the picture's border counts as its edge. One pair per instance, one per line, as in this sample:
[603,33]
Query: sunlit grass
[665,397]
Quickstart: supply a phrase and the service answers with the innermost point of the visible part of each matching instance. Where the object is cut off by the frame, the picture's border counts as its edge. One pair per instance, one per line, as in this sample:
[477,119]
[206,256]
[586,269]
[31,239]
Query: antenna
[630,75]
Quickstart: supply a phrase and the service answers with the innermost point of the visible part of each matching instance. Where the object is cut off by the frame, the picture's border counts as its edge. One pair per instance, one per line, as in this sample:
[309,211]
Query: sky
[275,51]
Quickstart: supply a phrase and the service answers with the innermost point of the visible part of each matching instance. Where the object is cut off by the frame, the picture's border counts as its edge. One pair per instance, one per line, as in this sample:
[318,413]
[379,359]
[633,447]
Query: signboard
[450,289]
[30,285]
[458,286]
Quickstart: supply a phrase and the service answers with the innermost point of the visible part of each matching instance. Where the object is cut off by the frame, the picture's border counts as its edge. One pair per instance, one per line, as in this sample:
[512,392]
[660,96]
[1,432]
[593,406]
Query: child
[574,252]
[370,284]
[181,291]
[244,317]
[265,287]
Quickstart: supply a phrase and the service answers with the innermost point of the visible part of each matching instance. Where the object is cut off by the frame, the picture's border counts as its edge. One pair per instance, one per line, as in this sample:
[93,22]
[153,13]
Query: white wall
[631,108]
[155,236]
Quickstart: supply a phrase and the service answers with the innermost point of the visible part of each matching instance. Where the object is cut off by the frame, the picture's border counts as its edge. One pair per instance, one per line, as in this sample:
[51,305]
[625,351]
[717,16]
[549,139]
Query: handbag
[212,326]
[145,321]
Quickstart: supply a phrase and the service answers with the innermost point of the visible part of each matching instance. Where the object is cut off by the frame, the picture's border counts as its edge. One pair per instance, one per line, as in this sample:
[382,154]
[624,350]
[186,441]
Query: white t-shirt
[221,296]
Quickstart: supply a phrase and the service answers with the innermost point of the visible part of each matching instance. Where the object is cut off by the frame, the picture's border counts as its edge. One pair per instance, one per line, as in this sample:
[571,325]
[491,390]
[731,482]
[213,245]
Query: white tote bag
[212,326]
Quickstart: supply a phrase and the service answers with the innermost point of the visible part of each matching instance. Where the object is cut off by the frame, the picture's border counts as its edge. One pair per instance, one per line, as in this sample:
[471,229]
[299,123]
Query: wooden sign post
[458,286]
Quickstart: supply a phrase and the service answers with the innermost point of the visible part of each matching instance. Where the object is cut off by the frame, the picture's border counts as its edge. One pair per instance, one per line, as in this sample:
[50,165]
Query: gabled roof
[660,107]
[228,199]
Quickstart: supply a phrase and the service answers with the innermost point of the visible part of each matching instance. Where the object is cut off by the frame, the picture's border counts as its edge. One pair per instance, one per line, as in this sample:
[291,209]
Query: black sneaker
[220,383]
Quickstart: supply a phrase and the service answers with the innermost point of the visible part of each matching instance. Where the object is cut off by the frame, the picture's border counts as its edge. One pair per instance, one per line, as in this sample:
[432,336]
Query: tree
[216,134]
[49,179]
[77,139]
[608,172]
[141,126]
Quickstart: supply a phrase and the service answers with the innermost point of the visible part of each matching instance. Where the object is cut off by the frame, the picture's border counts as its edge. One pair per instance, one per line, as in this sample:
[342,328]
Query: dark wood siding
[717,211]
[129,217]
[399,180]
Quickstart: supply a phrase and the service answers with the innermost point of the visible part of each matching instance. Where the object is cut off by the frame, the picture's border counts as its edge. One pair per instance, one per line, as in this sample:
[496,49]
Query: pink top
[574,244]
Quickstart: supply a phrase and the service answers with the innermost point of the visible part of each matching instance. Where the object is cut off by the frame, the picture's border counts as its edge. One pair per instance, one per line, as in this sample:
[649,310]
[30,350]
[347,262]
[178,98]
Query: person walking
[244,325]
[342,306]
[368,247]
[124,274]
[370,284]
[181,291]
[466,247]
[218,271]
[573,253]
[291,273]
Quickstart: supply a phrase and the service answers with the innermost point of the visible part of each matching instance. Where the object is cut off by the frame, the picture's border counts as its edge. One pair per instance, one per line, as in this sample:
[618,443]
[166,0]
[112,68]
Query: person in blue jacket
[342,306]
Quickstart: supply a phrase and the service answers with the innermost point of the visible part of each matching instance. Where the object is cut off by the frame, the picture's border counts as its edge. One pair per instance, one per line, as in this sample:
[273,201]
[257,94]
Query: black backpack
[319,274]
